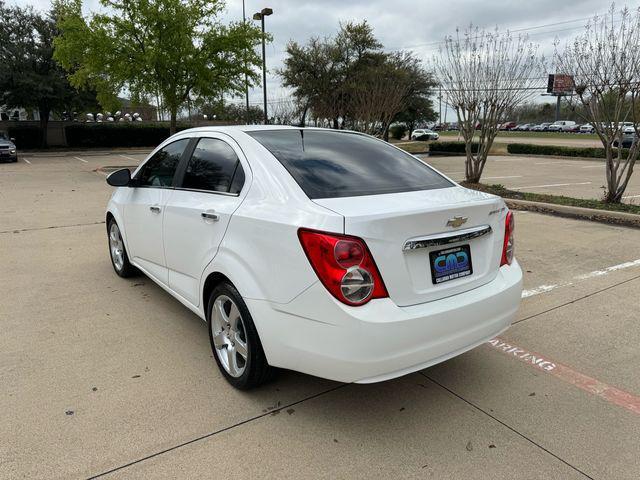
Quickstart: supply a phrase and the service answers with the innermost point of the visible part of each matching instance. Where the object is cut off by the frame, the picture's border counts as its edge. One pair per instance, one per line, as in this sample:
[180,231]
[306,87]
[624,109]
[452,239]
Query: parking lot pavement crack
[610,287]
[493,417]
[51,227]
[216,432]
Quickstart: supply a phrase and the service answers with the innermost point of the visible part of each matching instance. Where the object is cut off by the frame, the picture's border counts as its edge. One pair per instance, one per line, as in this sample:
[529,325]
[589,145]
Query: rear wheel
[234,340]
[119,257]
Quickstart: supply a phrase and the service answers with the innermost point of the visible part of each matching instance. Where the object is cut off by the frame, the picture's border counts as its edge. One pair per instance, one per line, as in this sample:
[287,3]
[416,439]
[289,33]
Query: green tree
[323,73]
[29,76]
[170,48]
[419,109]
[229,112]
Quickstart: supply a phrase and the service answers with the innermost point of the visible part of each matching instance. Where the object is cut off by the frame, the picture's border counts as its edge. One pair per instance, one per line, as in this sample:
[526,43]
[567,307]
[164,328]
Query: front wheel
[234,340]
[119,257]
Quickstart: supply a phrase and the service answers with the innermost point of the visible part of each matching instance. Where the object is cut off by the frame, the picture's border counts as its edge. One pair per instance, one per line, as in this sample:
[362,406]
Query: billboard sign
[560,84]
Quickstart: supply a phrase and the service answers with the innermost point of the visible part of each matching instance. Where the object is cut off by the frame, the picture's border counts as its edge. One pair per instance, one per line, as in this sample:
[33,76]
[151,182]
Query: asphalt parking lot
[109,377]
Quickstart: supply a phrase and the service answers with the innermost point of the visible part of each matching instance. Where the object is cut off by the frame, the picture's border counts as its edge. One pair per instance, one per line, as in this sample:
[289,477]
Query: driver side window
[160,169]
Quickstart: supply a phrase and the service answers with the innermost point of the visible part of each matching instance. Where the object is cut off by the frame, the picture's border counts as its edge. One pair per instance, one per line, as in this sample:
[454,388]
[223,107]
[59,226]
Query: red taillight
[508,243]
[344,265]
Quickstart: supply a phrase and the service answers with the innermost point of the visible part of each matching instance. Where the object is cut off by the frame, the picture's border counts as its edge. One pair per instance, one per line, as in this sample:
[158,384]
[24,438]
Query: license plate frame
[450,264]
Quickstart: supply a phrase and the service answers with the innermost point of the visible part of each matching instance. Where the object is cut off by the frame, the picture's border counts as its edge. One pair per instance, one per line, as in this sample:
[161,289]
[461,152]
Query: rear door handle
[154,209]
[210,216]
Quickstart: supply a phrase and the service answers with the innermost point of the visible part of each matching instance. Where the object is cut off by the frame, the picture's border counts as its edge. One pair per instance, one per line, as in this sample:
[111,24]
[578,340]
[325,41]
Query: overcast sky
[402,24]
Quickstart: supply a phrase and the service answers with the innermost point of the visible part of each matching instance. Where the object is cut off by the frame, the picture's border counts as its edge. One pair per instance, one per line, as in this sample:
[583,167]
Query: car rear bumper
[318,335]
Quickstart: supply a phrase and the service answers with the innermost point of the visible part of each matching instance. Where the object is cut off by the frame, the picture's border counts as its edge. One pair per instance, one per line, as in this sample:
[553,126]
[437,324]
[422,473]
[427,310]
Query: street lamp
[265,12]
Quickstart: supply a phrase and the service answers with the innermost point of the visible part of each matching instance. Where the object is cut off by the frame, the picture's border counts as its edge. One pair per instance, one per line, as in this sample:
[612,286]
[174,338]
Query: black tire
[125,270]
[257,370]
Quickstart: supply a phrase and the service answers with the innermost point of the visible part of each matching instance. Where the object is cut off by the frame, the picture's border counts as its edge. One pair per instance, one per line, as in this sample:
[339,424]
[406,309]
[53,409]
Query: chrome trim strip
[214,192]
[447,238]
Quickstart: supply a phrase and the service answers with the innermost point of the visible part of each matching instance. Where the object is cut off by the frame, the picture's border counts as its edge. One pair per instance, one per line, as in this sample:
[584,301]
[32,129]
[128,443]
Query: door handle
[210,216]
[154,209]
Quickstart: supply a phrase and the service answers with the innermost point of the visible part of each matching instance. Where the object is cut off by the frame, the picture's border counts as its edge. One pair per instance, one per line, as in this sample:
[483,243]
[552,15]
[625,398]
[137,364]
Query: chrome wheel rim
[229,335]
[116,246]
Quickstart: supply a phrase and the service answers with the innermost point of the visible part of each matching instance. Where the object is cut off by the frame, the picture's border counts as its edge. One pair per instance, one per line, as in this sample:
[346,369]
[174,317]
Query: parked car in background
[525,127]
[542,127]
[508,126]
[424,134]
[453,127]
[573,128]
[328,252]
[628,139]
[627,128]
[587,128]
[561,126]
[8,150]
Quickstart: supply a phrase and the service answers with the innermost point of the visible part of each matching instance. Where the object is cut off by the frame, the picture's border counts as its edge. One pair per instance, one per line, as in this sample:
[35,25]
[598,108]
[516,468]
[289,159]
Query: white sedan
[424,134]
[327,252]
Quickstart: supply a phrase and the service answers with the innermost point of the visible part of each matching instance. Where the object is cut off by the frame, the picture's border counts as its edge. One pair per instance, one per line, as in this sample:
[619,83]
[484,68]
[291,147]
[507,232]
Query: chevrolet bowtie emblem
[456,221]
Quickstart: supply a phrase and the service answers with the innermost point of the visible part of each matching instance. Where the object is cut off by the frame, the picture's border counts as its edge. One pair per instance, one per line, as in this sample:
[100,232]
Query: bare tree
[605,64]
[483,75]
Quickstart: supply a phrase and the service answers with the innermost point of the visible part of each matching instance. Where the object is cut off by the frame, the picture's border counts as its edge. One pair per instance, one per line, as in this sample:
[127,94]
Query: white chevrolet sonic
[328,252]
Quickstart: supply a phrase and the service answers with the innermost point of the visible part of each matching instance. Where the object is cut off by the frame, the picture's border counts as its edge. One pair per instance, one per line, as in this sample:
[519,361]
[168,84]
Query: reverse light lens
[344,265]
[509,240]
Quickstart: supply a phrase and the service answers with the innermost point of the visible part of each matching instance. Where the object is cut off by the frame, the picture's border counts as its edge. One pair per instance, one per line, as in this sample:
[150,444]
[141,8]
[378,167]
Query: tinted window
[160,169]
[212,166]
[329,164]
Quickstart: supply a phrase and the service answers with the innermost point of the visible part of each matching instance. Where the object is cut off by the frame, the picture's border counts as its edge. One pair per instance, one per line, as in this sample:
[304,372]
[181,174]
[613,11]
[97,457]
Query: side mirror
[119,178]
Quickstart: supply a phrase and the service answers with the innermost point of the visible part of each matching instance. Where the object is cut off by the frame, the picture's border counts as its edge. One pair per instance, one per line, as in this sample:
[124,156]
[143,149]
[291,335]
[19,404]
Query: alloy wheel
[116,246]
[229,335]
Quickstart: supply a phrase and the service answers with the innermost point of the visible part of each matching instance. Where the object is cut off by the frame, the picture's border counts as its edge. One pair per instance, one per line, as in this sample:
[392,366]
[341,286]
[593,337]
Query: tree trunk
[44,124]
[335,123]
[174,116]
[385,133]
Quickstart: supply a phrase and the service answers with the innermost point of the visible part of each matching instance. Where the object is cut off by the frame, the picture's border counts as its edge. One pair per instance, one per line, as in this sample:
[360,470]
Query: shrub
[530,149]
[117,135]
[397,131]
[451,147]
[27,136]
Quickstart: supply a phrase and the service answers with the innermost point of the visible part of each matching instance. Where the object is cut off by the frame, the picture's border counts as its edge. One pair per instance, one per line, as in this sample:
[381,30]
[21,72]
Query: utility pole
[558,97]
[440,107]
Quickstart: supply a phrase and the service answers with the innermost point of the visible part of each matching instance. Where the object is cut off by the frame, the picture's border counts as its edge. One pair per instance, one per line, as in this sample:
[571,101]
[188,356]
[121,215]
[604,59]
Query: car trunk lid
[402,229]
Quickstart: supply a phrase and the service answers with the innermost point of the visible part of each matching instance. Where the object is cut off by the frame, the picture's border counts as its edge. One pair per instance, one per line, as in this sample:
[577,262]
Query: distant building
[148,112]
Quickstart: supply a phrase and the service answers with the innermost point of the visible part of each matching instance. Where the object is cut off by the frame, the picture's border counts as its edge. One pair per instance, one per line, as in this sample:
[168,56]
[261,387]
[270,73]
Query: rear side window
[330,164]
[159,170]
[214,166]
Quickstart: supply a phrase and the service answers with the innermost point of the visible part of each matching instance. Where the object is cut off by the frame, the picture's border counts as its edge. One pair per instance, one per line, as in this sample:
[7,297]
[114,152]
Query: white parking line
[593,166]
[129,158]
[578,278]
[507,176]
[558,162]
[550,185]
[27,161]
[631,196]
[81,159]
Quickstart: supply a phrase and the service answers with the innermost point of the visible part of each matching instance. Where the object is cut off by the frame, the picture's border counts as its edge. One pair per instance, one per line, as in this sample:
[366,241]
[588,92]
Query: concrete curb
[592,214]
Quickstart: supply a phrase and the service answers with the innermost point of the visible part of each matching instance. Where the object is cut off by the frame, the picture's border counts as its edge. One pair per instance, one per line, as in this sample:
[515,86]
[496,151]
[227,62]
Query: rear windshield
[330,164]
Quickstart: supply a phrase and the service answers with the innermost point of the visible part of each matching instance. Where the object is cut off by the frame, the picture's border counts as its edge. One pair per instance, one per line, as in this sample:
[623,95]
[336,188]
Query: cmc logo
[451,262]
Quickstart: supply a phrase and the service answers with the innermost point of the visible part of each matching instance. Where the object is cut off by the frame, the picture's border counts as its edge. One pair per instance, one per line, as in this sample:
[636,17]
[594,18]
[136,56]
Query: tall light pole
[265,12]
[246,79]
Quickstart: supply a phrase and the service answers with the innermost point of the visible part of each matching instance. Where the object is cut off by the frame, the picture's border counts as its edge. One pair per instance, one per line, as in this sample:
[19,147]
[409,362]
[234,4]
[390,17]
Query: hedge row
[451,147]
[27,136]
[116,135]
[530,149]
